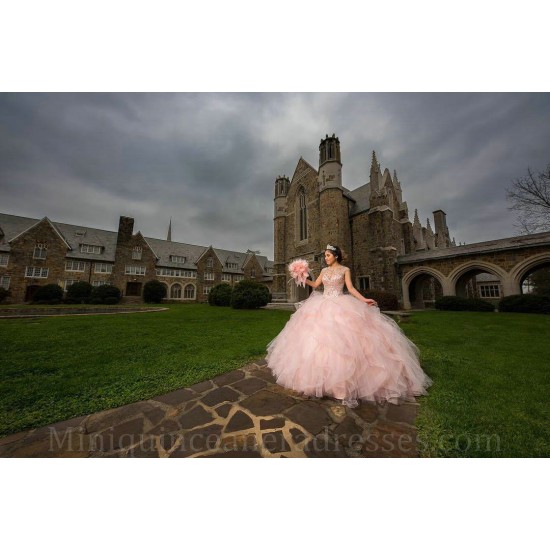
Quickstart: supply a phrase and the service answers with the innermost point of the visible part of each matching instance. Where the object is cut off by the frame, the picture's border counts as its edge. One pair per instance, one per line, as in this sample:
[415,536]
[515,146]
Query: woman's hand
[370,302]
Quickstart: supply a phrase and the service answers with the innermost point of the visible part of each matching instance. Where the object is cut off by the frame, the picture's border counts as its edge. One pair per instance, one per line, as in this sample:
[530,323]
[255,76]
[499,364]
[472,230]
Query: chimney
[125,229]
[440,219]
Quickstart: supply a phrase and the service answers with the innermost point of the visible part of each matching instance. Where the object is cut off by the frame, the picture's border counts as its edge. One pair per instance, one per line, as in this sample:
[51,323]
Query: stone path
[242,413]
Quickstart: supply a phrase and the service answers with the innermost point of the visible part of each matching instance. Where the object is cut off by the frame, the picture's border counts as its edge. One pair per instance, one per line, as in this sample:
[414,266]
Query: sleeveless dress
[338,346]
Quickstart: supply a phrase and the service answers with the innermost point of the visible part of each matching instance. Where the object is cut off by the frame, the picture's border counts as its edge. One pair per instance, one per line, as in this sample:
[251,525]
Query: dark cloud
[209,160]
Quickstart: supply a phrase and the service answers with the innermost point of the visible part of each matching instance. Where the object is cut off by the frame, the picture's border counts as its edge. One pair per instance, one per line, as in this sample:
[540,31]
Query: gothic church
[371,224]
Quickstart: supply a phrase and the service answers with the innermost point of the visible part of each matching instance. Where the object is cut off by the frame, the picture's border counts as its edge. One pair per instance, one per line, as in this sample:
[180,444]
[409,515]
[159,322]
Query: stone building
[38,252]
[370,223]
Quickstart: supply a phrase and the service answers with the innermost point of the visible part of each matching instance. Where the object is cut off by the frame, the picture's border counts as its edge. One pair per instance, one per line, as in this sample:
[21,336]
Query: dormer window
[90,248]
[178,259]
[40,251]
[80,233]
[136,253]
[232,265]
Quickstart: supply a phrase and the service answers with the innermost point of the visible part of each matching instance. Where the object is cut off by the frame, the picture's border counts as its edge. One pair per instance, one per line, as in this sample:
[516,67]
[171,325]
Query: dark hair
[338,253]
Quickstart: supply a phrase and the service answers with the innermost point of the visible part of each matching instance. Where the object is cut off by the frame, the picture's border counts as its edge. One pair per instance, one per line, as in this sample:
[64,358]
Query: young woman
[340,345]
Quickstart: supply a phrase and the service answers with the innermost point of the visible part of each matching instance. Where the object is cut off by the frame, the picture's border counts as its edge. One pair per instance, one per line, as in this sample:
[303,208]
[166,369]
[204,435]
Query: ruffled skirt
[341,347]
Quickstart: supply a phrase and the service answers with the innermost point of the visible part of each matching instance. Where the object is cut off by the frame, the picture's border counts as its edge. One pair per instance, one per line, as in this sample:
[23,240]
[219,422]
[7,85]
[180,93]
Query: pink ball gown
[339,346]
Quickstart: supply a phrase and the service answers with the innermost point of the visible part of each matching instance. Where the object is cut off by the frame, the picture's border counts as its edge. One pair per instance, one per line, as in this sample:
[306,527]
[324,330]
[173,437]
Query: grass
[61,367]
[491,375]
[24,307]
[491,371]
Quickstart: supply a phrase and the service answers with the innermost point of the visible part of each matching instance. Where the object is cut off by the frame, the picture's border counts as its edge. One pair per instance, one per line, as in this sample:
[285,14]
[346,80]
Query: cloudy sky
[209,160]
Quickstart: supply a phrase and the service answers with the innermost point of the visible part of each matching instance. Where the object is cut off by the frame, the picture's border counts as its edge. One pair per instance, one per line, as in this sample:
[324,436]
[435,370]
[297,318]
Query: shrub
[248,294]
[525,303]
[4,294]
[386,300]
[48,294]
[79,293]
[458,303]
[220,295]
[154,291]
[100,295]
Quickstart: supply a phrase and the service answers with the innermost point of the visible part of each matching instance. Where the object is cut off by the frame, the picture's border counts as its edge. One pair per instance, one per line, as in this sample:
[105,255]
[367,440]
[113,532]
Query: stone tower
[385,227]
[282,184]
[333,206]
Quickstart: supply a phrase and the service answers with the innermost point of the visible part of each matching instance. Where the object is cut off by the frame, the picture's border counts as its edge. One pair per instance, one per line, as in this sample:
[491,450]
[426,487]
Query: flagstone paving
[242,413]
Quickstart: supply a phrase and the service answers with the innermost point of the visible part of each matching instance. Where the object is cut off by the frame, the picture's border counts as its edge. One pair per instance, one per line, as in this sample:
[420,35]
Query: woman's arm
[318,282]
[354,292]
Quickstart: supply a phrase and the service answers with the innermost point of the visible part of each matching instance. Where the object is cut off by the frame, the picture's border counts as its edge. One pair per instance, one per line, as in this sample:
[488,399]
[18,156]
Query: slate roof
[520,241]
[361,196]
[75,235]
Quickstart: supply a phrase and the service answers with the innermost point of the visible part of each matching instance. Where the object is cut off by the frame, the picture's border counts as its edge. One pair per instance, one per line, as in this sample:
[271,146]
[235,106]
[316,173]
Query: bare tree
[531,199]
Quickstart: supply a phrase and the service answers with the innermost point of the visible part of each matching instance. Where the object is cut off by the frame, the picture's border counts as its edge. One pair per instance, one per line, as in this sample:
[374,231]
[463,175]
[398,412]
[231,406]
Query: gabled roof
[248,257]
[206,250]
[55,229]
[164,249]
[240,258]
[98,237]
[75,235]
[302,168]
[138,234]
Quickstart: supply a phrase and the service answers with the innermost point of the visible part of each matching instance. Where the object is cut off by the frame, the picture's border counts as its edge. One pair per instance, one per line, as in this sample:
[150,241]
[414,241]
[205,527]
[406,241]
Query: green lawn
[491,371]
[60,367]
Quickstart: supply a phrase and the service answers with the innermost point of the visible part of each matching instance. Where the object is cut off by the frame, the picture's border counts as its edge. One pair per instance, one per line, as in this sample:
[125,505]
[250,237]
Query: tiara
[330,247]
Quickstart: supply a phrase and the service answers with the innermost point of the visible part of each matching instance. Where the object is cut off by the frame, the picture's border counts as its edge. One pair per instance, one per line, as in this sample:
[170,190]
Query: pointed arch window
[303,214]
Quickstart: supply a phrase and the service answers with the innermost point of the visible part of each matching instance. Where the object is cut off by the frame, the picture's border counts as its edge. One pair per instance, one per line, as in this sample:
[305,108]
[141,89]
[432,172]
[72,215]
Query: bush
[220,295]
[79,293]
[105,294]
[249,294]
[48,294]
[525,303]
[386,300]
[154,291]
[4,294]
[458,303]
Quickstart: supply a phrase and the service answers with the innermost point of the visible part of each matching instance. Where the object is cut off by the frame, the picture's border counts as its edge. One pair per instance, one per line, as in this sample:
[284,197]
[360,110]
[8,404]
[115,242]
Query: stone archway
[478,279]
[424,289]
[422,286]
[522,270]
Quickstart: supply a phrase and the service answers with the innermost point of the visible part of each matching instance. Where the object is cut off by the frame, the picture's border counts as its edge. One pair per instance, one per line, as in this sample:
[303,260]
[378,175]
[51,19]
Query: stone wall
[22,249]
[21,257]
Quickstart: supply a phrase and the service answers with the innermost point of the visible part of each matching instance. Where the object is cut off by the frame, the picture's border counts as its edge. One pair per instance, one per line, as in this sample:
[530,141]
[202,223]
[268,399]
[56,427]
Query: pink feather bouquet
[299,271]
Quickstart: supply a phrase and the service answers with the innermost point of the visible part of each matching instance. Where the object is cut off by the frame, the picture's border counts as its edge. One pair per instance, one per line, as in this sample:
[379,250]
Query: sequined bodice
[333,281]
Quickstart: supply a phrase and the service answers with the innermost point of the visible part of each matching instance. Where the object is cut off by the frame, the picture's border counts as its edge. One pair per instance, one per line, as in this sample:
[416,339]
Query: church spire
[169,237]
[374,164]
[395,180]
